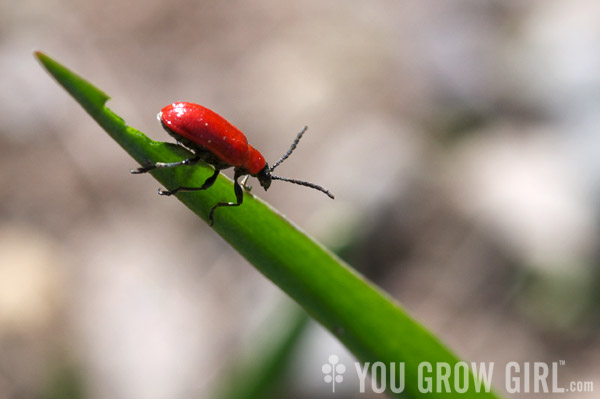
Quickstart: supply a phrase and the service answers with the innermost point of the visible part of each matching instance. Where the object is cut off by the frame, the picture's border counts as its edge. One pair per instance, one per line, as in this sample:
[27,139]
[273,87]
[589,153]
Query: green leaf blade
[364,318]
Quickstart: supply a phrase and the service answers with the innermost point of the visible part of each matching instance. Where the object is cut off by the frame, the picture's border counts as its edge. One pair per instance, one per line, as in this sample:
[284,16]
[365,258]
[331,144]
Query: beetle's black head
[264,177]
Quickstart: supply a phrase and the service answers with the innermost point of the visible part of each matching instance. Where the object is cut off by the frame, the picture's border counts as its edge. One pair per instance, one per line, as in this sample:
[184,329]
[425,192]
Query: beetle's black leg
[162,165]
[239,195]
[209,182]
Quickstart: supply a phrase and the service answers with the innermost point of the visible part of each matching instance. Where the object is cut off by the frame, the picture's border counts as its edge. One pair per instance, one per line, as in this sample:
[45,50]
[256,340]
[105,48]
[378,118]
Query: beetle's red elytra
[215,141]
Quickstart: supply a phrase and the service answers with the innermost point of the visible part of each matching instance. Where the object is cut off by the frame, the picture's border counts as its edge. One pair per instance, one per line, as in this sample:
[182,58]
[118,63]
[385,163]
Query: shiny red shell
[213,132]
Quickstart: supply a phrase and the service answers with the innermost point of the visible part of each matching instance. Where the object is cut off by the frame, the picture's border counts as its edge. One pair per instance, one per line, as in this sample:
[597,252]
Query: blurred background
[461,139]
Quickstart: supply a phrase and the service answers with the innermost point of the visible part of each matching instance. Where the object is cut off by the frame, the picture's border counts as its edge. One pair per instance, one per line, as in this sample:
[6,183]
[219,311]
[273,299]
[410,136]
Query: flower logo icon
[333,371]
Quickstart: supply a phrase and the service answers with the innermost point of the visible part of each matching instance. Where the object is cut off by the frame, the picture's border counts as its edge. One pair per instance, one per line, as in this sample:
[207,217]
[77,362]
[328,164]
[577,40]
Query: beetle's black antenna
[300,182]
[289,152]
[304,183]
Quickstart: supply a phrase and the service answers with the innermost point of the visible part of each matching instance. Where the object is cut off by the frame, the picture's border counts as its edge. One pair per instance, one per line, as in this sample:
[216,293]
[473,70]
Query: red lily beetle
[215,141]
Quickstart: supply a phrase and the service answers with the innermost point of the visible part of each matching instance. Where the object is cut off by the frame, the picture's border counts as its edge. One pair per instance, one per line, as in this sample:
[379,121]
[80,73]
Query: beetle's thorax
[255,162]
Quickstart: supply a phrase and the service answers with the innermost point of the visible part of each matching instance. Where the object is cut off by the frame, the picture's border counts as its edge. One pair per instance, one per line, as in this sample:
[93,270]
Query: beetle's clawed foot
[166,192]
[211,219]
[142,169]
